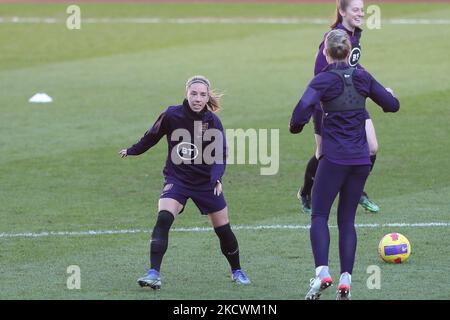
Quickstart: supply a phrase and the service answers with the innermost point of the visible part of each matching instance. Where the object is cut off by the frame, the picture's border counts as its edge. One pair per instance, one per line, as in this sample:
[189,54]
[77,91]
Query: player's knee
[160,234]
[319,216]
[346,224]
[228,242]
[165,220]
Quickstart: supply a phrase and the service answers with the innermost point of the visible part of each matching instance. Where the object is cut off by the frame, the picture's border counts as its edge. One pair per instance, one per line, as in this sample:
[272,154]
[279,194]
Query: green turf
[59,169]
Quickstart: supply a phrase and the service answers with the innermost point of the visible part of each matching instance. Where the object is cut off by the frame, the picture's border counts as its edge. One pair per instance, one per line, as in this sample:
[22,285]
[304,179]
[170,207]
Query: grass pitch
[60,170]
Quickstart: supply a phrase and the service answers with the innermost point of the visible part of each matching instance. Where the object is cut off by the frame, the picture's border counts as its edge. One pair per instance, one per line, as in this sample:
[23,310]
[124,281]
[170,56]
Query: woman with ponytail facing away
[349,18]
[345,163]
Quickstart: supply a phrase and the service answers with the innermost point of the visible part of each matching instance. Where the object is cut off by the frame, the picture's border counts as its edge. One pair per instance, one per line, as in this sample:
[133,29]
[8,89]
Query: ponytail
[213,104]
[338,45]
[340,5]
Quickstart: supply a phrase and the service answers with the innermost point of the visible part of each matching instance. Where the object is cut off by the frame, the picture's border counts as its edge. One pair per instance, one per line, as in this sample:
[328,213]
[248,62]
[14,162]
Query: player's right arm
[150,138]
[311,97]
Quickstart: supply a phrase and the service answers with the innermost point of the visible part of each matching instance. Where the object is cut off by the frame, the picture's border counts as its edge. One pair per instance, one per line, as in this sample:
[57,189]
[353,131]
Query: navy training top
[353,60]
[344,138]
[201,176]
[355,55]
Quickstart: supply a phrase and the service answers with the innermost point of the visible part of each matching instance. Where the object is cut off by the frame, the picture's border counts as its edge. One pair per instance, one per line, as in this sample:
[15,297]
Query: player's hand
[390,91]
[218,188]
[123,153]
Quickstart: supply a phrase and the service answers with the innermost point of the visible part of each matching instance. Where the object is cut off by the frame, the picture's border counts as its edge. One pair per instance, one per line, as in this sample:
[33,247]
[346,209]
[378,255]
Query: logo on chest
[199,145]
[354,57]
[187,151]
[200,130]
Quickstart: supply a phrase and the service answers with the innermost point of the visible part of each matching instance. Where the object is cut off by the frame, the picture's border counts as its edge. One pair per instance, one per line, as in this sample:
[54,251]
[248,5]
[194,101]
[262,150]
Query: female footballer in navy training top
[345,157]
[349,15]
[190,172]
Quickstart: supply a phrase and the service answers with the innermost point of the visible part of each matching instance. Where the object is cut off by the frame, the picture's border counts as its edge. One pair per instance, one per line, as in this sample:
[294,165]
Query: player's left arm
[384,97]
[219,166]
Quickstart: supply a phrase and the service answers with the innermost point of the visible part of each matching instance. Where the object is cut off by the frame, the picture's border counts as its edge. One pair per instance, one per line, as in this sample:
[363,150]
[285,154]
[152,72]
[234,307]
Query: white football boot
[343,292]
[318,284]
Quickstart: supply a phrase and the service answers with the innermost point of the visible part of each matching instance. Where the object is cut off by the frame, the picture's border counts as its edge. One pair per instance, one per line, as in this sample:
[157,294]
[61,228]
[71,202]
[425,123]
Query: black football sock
[160,238]
[373,159]
[310,173]
[229,245]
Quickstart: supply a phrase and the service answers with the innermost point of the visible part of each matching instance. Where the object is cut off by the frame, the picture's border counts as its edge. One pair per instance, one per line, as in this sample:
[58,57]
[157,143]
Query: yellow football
[394,248]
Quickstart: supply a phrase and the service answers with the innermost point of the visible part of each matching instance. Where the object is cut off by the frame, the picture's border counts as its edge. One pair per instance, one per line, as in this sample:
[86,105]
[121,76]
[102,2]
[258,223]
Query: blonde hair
[213,103]
[338,45]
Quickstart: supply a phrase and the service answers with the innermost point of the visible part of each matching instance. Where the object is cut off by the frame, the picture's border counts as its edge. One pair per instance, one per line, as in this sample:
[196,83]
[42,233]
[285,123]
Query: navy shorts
[206,201]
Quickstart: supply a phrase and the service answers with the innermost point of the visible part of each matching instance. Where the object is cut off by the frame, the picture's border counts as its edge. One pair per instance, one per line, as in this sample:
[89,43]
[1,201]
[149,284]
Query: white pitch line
[208,229]
[211,20]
